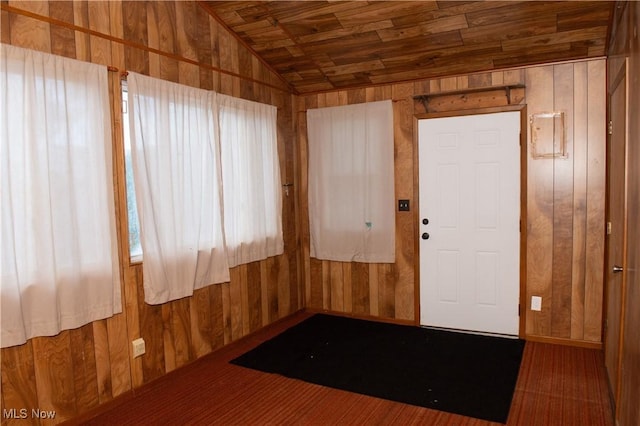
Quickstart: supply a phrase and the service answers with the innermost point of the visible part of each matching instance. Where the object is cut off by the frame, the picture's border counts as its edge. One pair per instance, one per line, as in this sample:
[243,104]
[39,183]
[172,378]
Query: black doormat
[460,373]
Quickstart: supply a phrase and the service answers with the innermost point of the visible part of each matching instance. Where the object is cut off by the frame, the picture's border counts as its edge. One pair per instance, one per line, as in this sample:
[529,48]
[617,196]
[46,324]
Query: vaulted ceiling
[326,45]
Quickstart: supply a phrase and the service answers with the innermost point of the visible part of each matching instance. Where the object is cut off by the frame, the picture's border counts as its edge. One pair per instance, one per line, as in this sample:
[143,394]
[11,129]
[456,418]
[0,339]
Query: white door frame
[523,201]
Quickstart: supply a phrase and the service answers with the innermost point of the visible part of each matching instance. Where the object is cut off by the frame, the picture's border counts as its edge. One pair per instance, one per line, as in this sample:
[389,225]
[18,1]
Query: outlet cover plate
[536,303]
[138,347]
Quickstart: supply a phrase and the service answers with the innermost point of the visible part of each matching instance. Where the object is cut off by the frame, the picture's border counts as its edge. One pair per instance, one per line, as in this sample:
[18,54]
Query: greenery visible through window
[135,249]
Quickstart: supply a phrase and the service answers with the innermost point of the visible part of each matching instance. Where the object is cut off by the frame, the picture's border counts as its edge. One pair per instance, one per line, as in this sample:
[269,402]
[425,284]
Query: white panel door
[469,168]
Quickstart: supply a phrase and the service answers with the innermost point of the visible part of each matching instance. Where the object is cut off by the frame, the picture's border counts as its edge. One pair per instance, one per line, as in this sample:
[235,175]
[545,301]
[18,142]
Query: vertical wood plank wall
[176,40]
[79,369]
[565,240]
[566,204]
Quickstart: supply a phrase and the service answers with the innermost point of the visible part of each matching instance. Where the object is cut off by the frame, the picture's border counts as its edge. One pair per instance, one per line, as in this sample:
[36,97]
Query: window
[251,173]
[351,183]
[207,178]
[58,216]
[176,164]
[250,180]
[135,248]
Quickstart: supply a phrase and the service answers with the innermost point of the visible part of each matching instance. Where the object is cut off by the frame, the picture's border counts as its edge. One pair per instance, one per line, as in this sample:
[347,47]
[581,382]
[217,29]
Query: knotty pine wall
[175,40]
[565,227]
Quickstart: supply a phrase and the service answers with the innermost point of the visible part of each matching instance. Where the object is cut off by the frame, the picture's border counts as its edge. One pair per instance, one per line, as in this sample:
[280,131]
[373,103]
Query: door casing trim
[522,108]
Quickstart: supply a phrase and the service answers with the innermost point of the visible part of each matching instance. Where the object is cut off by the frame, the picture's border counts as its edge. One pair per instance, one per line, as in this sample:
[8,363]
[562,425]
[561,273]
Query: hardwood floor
[557,385]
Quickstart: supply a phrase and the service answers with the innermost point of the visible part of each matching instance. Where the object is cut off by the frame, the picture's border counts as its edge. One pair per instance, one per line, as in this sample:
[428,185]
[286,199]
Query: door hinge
[610,130]
[518,309]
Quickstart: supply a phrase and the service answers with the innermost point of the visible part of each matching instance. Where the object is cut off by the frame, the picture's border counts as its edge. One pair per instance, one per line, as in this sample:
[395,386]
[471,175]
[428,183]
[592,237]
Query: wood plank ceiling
[326,45]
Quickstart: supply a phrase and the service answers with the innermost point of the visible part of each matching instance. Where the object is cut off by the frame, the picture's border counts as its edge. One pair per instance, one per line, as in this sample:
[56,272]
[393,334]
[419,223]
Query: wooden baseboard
[565,342]
[360,316]
[533,338]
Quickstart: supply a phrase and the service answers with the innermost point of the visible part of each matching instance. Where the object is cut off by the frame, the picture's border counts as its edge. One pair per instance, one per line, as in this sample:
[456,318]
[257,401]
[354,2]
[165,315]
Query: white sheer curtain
[351,183]
[59,251]
[176,162]
[251,180]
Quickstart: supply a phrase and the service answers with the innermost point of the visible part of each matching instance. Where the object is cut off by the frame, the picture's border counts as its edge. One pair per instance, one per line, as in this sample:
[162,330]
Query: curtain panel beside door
[351,183]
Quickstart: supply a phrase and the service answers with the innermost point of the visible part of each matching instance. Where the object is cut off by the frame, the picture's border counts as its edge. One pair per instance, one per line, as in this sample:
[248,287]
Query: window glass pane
[135,249]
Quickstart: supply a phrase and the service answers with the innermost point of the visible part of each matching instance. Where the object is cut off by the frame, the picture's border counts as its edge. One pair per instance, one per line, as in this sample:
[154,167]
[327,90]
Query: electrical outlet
[138,347]
[536,303]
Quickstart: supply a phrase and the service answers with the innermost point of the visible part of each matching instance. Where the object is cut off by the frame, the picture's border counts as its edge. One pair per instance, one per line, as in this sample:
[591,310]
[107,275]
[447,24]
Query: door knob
[425,221]
[425,236]
[617,268]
